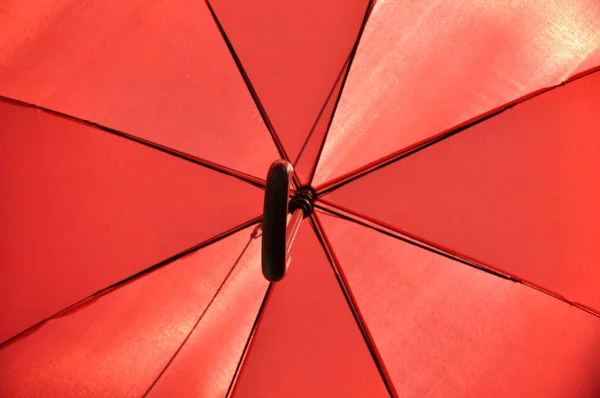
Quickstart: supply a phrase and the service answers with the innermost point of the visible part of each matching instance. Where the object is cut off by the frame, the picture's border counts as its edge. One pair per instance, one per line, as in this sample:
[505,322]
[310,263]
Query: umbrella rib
[181,155]
[187,337]
[312,129]
[133,277]
[249,340]
[378,226]
[337,101]
[249,85]
[405,152]
[377,359]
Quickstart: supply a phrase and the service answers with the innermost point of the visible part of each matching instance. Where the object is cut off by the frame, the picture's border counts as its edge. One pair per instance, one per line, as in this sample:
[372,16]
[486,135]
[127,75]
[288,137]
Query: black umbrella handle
[278,235]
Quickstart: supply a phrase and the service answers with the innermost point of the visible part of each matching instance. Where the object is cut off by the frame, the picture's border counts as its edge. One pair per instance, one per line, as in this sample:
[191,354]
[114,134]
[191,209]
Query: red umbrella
[452,148]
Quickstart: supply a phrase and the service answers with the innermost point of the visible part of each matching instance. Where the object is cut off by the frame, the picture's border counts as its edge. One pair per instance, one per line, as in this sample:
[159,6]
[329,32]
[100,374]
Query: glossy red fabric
[82,209]
[150,69]
[518,192]
[116,345]
[207,363]
[293,52]
[307,159]
[445,329]
[423,67]
[307,343]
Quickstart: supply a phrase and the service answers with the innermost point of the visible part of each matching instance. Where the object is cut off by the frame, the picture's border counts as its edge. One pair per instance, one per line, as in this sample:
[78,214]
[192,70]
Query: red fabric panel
[308,157]
[445,329]
[424,67]
[206,364]
[117,344]
[518,192]
[307,343]
[148,68]
[293,52]
[590,63]
[82,209]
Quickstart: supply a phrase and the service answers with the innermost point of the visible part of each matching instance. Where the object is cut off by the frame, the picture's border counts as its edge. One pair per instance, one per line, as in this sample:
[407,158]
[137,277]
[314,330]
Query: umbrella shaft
[292,229]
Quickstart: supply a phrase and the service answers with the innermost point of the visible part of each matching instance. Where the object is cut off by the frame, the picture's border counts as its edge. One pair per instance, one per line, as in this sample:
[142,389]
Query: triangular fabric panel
[423,67]
[591,62]
[150,69]
[82,209]
[307,342]
[311,149]
[207,362]
[117,344]
[445,329]
[518,192]
[293,53]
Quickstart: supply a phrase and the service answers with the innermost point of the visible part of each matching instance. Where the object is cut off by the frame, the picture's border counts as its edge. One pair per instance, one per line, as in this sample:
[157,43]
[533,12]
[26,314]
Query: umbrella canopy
[452,148]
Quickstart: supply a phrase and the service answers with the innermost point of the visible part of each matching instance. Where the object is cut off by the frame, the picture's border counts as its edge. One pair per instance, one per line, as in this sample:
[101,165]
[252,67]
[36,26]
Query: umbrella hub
[304,200]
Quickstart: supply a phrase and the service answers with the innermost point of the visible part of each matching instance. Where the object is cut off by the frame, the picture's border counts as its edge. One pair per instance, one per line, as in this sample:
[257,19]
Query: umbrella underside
[454,153]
